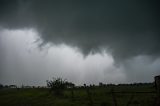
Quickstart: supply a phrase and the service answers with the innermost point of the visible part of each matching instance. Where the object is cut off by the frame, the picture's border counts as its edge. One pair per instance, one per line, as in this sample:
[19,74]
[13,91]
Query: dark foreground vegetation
[102,95]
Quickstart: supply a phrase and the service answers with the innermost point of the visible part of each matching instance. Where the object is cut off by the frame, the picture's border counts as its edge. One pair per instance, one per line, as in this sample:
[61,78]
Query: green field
[143,95]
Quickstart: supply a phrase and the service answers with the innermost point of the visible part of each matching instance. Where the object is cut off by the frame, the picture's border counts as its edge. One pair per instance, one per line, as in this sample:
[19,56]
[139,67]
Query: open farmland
[122,95]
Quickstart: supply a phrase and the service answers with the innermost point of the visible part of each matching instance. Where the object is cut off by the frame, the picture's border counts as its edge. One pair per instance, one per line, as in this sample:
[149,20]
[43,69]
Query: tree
[57,85]
[1,86]
[69,84]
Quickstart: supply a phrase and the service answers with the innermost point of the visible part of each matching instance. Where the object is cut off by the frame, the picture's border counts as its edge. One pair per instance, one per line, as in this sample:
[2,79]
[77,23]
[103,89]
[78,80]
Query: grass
[100,96]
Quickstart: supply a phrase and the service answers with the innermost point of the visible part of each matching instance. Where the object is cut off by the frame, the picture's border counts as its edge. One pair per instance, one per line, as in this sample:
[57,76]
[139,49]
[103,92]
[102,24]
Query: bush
[1,86]
[57,85]
[70,84]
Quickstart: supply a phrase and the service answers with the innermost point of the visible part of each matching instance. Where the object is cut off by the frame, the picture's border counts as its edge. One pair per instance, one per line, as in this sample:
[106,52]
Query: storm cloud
[127,33]
[127,28]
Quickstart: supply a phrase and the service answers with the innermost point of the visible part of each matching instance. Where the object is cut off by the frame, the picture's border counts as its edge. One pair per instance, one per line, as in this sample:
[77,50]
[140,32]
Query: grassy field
[98,96]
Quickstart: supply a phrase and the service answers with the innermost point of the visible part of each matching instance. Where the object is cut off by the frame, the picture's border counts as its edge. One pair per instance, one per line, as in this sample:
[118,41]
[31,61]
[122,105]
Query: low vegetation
[60,93]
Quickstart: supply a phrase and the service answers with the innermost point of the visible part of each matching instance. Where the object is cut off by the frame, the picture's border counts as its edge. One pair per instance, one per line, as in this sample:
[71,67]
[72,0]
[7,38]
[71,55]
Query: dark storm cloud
[127,27]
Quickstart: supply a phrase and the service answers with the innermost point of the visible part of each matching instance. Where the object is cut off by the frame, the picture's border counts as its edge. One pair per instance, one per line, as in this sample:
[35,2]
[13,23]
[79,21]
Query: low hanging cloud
[126,28]
[24,63]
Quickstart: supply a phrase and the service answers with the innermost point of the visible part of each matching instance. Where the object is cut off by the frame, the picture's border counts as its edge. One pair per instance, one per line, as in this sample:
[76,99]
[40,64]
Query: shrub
[57,85]
[69,84]
[1,86]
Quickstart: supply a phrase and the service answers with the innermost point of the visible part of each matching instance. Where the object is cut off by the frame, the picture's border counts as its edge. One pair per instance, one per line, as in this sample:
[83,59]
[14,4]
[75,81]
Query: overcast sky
[83,41]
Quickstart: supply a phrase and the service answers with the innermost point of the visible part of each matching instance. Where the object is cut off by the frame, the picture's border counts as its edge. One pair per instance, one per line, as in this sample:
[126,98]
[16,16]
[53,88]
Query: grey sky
[113,41]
